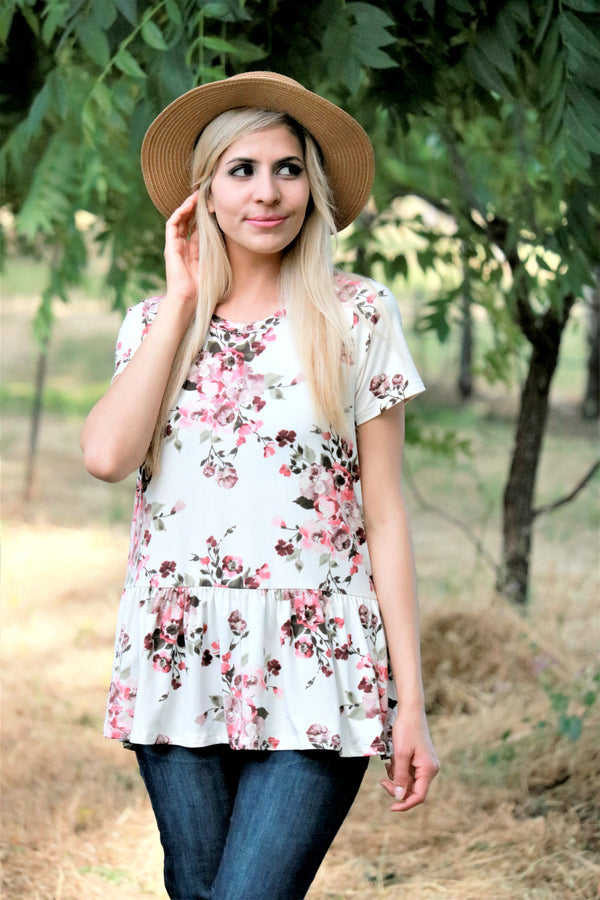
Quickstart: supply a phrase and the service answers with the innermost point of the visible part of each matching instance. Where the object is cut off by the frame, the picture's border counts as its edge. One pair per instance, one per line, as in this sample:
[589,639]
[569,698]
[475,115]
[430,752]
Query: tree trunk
[590,407]
[36,417]
[465,371]
[513,580]
[465,374]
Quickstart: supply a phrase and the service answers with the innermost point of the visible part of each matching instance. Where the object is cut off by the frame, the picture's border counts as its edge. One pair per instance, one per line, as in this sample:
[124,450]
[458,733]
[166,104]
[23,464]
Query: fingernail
[399,792]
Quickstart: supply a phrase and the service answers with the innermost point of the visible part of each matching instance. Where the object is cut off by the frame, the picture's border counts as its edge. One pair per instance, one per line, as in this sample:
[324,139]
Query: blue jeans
[246,824]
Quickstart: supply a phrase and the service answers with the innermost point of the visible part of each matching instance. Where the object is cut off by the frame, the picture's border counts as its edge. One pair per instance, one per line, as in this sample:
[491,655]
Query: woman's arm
[380,445]
[118,430]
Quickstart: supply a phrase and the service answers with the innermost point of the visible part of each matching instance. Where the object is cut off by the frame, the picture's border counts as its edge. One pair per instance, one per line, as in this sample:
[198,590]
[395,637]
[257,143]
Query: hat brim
[168,145]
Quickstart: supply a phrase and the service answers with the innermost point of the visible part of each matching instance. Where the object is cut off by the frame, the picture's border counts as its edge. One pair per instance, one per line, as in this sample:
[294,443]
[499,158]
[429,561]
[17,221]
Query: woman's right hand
[181,255]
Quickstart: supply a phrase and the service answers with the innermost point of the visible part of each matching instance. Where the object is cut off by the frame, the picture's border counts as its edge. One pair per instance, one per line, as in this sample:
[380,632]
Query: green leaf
[461,5]
[553,121]
[589,6]
[93,40]
[247,52]
[218,44]
[570,727]
[38,110]
[548,12]
[584,130]
[6,17]
[374,58]
[429,7]
[104,13]
[153,36]
[552,82]
[497,51]
[128,65]
[485,73]
[583,38]
[128,9]
[54,18]
[371,18]
[173,12]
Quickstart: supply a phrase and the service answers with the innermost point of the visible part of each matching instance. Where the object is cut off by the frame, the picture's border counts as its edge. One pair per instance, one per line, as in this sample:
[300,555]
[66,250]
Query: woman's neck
[255,292]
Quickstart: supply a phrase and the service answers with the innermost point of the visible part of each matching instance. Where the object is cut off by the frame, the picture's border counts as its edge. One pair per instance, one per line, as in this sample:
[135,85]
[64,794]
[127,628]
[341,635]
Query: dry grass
[514,812]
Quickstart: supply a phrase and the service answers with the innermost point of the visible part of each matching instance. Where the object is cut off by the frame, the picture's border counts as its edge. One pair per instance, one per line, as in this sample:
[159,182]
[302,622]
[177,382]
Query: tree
[489,111]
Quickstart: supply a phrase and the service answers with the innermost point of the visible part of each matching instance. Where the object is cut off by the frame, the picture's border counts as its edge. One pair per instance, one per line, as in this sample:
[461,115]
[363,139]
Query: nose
[266,189]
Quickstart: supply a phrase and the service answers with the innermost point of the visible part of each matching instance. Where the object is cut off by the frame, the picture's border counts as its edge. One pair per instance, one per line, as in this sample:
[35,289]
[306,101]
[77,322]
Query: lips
[266,221]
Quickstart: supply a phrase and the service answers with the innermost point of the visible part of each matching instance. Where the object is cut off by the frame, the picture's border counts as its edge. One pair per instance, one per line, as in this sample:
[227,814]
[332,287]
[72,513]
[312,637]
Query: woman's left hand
[414,764]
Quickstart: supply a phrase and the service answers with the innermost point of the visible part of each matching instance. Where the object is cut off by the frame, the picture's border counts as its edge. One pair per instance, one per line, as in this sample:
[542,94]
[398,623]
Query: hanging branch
[451,519]
[549,507]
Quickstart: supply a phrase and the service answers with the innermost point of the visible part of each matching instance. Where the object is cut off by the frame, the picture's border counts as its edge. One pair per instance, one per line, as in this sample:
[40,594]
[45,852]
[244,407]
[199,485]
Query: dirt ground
[513,814]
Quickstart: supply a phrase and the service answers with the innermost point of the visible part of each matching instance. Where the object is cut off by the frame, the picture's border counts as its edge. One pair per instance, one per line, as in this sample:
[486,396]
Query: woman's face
[259,193]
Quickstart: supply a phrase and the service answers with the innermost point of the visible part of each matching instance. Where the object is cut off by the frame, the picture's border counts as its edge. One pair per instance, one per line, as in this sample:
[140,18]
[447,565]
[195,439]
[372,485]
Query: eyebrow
[247,160]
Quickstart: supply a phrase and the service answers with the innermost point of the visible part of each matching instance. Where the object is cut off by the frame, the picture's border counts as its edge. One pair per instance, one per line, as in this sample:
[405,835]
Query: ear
[209,204]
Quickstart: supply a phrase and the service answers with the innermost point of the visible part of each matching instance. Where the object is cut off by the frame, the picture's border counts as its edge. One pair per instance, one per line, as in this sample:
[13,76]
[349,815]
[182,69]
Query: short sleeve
[385,371]
[134,328]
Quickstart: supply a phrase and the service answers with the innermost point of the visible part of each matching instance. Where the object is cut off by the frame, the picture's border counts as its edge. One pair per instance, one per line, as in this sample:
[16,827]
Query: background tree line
[490,112]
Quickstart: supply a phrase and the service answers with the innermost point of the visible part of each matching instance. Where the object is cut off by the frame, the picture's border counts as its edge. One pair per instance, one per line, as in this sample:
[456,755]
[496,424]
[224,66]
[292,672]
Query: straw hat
[169,142]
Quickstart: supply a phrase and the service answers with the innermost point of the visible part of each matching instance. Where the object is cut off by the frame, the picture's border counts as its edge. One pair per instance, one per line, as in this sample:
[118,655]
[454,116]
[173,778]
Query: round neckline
[258,325]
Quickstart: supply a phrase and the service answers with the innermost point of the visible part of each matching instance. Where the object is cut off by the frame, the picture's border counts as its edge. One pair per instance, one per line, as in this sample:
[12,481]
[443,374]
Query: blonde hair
[321,330]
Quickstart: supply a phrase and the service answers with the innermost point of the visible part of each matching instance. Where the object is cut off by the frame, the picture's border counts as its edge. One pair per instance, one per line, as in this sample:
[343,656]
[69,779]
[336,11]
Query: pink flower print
[225,662]
[167,568]
[341,539]
[233,719]
[224,416]
[312,534]
[350,513]
[379,385]
[285,471]
[236,623]
[232,564]
[185,418]
[370,703]
[398,381]
[263,573]
[227,478]
[363,612]
[285,632]
[208,471]
[315,481]
[318,733]
[273,743]
[161,662]
[269,450]
[304,647]
[308,610]
[327,507]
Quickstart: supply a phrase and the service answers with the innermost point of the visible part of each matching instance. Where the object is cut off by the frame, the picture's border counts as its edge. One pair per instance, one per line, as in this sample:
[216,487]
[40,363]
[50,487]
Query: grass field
[514,812]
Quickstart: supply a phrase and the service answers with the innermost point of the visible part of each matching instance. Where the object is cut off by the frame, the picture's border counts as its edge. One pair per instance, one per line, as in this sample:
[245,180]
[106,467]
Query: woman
[262,399]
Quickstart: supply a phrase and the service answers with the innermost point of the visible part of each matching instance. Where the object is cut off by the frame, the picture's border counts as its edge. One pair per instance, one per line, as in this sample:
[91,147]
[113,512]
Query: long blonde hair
[321,330]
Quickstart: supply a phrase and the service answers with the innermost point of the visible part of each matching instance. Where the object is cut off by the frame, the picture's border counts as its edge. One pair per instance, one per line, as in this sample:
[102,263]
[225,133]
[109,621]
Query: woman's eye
[242,171]
[290,169]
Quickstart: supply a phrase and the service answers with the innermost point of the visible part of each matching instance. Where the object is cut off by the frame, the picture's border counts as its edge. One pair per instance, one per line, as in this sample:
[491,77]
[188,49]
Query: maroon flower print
[167,568]
[236,623]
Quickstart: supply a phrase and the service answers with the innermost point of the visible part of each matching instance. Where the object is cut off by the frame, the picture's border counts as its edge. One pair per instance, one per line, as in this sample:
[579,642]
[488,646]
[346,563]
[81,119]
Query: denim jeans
[245,824]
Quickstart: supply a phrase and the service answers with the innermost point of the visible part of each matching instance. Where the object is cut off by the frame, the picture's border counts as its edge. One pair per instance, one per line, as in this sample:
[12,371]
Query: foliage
[571,707]
[488,111]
